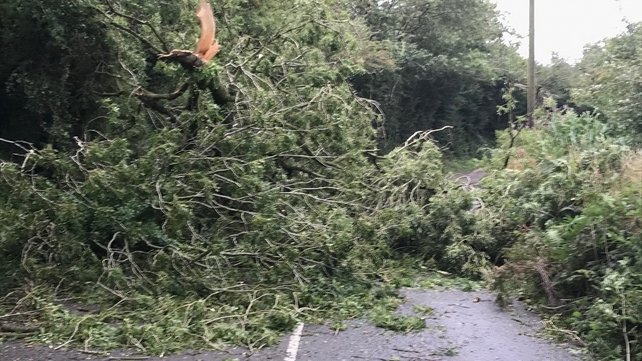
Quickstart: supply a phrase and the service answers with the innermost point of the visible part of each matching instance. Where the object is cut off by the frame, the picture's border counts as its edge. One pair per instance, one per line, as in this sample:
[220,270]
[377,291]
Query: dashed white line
[293,344]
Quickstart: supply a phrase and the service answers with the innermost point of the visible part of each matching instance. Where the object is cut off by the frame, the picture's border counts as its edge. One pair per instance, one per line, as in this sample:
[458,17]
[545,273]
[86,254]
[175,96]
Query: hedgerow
[566,216]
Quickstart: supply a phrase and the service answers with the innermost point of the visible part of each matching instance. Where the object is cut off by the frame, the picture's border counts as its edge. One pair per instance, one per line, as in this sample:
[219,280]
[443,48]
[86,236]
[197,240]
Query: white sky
[565,26]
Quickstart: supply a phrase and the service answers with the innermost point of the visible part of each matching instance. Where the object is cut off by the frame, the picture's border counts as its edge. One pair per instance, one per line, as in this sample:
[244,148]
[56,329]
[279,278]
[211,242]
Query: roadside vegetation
[305,174]
[564,214]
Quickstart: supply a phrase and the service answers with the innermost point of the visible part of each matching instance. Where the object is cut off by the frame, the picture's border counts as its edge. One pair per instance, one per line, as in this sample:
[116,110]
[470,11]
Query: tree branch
[131,32]
[140,22]
[142,93]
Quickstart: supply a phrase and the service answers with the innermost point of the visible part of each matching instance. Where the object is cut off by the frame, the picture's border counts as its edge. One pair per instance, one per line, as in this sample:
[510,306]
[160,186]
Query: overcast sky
[565,26]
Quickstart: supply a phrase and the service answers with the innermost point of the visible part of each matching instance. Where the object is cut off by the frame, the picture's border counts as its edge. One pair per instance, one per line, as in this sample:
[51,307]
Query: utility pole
[531,96]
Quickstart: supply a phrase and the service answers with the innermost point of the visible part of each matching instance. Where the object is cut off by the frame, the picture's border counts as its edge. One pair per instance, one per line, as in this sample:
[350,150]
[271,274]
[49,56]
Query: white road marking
[293,345]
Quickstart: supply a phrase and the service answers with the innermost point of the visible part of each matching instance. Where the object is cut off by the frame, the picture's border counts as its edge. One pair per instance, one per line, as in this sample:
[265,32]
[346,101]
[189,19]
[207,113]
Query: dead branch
[538,267]
[187,59]
[207,46]
[420,137]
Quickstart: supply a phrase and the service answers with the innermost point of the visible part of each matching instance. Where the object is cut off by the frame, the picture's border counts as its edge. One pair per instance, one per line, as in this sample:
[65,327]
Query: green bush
[567,216]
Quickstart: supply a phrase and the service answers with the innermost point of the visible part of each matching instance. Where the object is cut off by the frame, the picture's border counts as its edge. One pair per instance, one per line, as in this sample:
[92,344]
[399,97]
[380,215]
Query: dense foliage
[566,214]
[48,77]
[610,83]
[161,207]
[565,219]
[449,70]
[223,204]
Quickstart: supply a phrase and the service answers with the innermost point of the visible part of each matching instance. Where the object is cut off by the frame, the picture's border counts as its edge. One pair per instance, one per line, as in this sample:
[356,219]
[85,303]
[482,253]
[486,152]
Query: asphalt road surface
[471,179]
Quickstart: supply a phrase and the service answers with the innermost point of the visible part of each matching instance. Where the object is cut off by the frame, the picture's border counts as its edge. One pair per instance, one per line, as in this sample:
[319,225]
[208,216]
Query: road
[470,179]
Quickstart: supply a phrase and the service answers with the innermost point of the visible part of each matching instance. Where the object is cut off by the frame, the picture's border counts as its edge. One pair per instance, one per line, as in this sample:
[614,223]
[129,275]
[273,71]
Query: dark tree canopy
[50,74]
[450,69]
